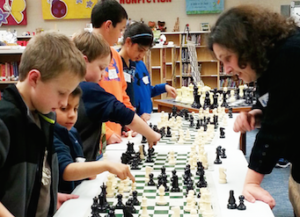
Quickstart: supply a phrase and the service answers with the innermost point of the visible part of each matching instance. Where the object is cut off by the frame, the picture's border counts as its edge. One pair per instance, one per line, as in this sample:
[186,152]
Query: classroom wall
[167,12]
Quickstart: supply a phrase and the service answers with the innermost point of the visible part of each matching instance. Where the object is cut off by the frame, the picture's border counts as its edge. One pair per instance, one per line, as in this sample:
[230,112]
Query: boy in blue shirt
[72,165]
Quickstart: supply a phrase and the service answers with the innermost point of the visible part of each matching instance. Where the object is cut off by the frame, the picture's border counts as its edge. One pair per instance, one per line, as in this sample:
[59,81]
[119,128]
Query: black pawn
[111,212]
[200,168]
[94,207]
[230,113]
[241,206]
[231,201]
[119,204]
[174,181]
[135,201]
[149,157]
[135,164]
[151,181]
[223,155]
[218,154]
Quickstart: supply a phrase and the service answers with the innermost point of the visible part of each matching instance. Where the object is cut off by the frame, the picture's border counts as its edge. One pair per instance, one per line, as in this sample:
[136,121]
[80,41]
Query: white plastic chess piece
[129,135]
[133,187]
[142,156]
[161,200]
[187,134]
[194,213]
[176,211]
[222,175]
[188,206]
[121,188]
[109,184]
[144,207]
[148,170]
[232,96]
[178,98]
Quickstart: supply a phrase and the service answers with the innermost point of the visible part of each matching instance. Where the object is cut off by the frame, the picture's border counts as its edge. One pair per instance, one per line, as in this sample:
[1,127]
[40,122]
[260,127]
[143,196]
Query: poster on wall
[204,6]
[67,9]
[13,12]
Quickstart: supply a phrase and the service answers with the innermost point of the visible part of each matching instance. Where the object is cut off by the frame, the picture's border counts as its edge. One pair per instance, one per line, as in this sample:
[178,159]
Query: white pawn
[121,187]
[142,156]
[144,207]
[126,184]
[109,184]
[222,175]
[188,206]
[176,211]
[133,187]
[161,199]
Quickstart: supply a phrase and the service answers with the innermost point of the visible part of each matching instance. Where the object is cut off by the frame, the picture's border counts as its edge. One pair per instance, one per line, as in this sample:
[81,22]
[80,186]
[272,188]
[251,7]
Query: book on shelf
[194,38]
[229,82]
[9,71]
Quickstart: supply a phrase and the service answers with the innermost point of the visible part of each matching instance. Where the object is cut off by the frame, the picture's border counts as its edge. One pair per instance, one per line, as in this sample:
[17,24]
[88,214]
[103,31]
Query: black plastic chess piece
[174,111]
[111,212]
[215,101]
[135,164]
[165,185]
[201,183]
[222,132]
[200,168]
[135,201]
[218,154]
[224,103]
[151,150]
[230,113]
[198,124]
[192,121]
[130,149]
[162,132]
[155,128]
[129,204]
[144,140]
[151,181]
[169,134]
[103,205]
[125,158]
[241,206]
[223,155]
[206,101]
[119,204]
[149,157]
[196,103]
[150,125]
[144,150]
[127,211]
[174,181]
[231,201]
[94,207]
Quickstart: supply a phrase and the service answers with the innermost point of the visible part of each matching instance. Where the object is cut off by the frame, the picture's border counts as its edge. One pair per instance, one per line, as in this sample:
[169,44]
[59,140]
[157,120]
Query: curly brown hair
[251,32]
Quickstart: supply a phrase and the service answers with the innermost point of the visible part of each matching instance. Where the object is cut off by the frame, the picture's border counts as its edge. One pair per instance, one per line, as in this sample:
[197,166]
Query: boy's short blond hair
[92,45]
[51,53]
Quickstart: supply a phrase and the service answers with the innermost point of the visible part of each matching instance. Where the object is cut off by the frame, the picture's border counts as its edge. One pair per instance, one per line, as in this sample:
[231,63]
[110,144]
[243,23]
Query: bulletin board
[204,6]
[13,12]
[67,9]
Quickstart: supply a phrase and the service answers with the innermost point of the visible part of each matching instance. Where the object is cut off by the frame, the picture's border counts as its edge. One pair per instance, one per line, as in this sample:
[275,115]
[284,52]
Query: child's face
[52,94]
[67,115]
[136,52]
[115,33]
[96,69]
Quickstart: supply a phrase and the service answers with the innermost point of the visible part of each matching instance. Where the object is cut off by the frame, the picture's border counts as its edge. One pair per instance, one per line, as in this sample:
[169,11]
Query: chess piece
[94,207]
[176,211]
[136,202]
[119,204]
[222,133]
[218,154]
[148,170]
[144,140]
[169,134]
[174,180]
[130,149]
[129,206]
[129,137]
[241,206]
[223,155]
[231,201]
[111,212]
[109,184]
[149,157]
[144,207]
[194,213]
[161,200]
[103,204]
[230,113]
[135,164]
[141,151]
[200,168]
[151,181]
[222,175]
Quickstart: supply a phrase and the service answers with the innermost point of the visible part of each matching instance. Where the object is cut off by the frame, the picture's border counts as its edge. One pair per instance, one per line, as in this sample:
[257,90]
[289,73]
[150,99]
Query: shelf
[169,63]
[155,67]
[8,82]
[209,76]
[191,32]
[9,50]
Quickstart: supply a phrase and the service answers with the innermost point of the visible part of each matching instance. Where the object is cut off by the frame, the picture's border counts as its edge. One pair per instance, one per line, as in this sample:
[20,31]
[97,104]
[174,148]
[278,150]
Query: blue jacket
[68,147]
[143,90]
[97,106]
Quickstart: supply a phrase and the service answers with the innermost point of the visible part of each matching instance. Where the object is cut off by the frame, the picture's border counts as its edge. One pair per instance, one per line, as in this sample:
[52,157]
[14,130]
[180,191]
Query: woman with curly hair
[256,44]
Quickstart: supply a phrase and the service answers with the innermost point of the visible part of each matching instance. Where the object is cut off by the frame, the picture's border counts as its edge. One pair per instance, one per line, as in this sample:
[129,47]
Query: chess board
[152,193]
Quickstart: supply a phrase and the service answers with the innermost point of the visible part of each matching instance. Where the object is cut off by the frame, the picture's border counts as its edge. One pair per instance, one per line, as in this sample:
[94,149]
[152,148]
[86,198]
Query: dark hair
[251,32]
[107,10]
[139,33]
[77,92]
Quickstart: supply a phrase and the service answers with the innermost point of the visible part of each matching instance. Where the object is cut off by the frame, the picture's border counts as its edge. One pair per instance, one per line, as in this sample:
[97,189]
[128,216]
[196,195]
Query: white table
[235,164]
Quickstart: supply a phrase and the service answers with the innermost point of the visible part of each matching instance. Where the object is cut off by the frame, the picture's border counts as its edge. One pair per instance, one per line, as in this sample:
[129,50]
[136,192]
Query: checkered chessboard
[152,193]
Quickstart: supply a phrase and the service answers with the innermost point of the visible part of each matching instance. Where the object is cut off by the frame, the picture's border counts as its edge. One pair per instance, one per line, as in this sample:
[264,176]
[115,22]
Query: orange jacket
[114,82]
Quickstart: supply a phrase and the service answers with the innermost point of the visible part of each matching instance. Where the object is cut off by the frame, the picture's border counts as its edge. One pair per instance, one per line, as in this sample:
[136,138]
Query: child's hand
[171,91]
[92,177]
[114,138]
[121,170]
[133,133]
[146,117]
[61,198]
[153,139]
